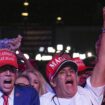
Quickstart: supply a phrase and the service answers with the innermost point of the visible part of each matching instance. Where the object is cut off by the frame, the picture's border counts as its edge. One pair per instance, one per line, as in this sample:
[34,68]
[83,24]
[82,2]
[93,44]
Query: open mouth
[7,81]
[69,82]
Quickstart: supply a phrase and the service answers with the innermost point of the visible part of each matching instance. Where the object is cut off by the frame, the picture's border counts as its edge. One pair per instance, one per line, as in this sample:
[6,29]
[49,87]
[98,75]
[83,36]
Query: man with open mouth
[15,95]
[62,72]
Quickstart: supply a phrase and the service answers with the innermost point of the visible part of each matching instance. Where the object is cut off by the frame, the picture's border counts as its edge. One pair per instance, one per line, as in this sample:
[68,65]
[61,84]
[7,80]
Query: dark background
[80,26]
[73,12]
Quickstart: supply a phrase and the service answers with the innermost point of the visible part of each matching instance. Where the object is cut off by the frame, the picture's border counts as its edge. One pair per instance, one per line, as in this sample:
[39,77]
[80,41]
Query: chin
[7,90]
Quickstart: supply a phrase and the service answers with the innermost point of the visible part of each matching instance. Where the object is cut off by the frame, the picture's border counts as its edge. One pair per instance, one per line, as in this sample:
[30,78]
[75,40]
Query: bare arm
[98,76]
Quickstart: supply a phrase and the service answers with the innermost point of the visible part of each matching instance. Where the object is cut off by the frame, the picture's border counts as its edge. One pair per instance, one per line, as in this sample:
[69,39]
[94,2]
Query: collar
[10,96]
[1,94]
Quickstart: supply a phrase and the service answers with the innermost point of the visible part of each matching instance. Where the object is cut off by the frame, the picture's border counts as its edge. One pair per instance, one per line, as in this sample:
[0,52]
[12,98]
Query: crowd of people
[68,81]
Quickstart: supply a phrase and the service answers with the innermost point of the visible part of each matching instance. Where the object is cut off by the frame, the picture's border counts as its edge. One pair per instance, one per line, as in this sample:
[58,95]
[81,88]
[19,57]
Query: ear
[53,82]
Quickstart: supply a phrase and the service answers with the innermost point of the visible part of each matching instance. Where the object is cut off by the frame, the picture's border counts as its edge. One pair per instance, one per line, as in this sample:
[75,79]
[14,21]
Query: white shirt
[10,98]
[84,96]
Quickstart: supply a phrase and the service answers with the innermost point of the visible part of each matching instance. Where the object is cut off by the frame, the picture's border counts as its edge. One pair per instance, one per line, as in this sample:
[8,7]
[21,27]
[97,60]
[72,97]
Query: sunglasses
[8,67]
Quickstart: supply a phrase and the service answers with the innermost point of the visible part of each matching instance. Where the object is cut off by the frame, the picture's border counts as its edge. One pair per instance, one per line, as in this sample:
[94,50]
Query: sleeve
[96,93]
[35,98]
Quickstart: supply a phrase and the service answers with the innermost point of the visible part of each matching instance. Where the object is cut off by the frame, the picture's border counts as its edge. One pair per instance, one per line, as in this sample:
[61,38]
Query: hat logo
[56,62]
[6,53]
[8,58]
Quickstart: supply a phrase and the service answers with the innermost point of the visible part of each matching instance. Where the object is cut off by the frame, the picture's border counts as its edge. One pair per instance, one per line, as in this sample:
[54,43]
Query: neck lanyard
[54,100]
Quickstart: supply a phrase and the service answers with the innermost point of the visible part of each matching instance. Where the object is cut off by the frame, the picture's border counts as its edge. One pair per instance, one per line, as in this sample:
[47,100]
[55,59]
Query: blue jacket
[25,95]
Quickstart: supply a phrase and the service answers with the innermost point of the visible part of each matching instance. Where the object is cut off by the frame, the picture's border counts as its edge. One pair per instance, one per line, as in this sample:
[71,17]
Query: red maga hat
[8,57]
[57,62]
[81,65]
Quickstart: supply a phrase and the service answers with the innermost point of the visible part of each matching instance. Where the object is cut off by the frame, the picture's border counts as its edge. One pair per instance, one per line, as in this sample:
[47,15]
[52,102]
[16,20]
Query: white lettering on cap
[56,61]
[6,58]
[1,58]
[6,53]
[9,58]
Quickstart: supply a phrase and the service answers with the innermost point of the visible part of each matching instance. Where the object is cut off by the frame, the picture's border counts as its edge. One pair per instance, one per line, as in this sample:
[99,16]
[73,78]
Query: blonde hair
[44,86]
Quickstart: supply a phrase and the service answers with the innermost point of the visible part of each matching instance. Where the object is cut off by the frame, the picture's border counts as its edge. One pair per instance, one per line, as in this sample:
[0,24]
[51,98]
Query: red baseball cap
[81,65]
[8,57]
[57,63]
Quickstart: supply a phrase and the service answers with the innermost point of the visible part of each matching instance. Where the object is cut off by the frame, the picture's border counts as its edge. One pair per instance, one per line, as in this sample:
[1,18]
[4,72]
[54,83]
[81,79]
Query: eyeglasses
[8,67]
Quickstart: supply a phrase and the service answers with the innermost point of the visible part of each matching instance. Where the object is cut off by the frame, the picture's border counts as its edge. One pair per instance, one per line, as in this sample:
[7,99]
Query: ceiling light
[24,13]
[26,3]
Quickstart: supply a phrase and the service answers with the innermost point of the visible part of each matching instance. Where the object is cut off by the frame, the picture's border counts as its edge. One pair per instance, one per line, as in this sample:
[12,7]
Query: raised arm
[98,76]
[28,65]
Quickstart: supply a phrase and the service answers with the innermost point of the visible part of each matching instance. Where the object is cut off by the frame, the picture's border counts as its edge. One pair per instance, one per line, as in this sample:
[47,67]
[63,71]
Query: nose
[8,72]
[68,73]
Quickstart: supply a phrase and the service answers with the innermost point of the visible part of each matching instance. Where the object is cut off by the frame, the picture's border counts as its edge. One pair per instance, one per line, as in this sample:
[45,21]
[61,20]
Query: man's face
[83,76]
[7,79]
[65,83]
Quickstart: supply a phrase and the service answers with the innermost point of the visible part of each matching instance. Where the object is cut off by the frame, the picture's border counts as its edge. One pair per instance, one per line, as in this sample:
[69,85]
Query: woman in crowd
[37,81]
[22,80]
[35,77]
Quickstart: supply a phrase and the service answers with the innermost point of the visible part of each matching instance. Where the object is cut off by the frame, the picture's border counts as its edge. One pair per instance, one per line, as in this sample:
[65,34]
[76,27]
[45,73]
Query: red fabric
[55,63]
[5,97]
[7,57]
[80,63]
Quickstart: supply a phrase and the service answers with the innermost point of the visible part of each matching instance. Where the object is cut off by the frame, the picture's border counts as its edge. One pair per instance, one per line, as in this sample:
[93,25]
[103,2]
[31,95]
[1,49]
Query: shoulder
[46,98]
[25,89]
[47,95]
[90,90]
[26,94]
[82,91]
